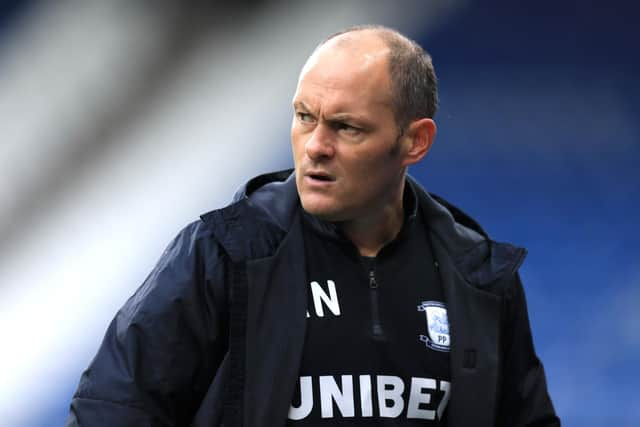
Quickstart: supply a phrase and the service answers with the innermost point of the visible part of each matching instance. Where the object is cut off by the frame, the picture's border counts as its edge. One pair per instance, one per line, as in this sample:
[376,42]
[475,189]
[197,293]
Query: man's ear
[419,138]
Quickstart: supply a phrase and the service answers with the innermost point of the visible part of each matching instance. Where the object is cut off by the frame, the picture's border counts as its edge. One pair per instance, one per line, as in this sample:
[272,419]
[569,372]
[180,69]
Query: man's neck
[371,233]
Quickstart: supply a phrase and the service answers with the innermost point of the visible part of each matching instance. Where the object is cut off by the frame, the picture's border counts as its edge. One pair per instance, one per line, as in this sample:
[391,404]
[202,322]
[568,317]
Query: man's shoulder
[259,216]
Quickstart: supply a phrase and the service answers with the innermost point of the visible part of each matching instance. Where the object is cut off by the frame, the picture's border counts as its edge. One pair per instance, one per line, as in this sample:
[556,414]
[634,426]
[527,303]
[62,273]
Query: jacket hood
[269,203]
[481,260]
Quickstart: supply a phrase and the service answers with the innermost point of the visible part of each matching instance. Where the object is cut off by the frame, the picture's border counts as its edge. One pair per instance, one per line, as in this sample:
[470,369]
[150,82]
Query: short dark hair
[414,86]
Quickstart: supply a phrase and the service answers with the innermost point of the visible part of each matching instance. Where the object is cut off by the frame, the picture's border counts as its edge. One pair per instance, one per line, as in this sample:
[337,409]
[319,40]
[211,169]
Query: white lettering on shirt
[417,397]
[446,387]
[330,392]
[389,390]
[366,401]
[306,401]
[320,297]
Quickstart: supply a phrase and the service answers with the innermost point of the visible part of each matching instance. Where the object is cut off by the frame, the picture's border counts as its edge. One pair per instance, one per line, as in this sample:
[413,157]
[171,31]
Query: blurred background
[122,121]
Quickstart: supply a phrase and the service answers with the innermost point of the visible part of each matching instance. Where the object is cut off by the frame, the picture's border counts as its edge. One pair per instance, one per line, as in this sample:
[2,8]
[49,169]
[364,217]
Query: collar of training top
[330,230]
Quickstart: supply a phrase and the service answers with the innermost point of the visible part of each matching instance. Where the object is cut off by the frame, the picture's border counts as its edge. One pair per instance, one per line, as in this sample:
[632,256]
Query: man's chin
[322,214]
[322,211]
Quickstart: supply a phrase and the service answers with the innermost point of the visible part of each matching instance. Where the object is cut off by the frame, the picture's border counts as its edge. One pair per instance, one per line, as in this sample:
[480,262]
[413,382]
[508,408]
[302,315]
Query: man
[339,294]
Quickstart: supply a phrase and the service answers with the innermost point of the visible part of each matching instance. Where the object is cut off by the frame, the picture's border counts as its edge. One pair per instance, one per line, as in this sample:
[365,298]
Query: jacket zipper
[375,309]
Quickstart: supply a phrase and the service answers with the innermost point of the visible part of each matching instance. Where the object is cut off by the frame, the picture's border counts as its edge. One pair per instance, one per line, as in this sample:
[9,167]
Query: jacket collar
[479,259]
[268,204]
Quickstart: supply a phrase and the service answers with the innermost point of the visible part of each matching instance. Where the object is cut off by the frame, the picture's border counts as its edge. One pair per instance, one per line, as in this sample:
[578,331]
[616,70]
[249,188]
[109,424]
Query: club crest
[437,337]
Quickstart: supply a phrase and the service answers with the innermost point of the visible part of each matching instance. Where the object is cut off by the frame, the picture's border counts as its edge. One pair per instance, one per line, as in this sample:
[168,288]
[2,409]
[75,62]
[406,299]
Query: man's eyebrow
[338,117]
[349,118]
[341,117]
[300,104]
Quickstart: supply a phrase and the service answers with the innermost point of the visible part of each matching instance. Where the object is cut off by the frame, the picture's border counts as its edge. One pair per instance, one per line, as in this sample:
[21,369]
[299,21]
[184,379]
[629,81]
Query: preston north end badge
[437,337]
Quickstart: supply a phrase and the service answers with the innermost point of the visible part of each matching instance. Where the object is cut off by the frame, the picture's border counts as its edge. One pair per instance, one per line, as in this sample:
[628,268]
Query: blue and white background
[121,121]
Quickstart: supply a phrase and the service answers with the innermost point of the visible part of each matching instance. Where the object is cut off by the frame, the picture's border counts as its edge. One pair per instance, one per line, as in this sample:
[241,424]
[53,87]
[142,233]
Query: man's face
[344,134]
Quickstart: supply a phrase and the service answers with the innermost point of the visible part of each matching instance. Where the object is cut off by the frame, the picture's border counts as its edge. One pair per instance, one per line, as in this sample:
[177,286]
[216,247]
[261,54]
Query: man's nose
[320,145]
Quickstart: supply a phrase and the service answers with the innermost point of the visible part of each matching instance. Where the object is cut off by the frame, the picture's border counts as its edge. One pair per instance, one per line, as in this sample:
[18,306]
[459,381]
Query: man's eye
[351,130]
[305,117]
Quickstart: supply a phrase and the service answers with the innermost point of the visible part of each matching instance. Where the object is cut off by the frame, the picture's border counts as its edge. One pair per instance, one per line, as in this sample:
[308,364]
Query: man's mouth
[320,176]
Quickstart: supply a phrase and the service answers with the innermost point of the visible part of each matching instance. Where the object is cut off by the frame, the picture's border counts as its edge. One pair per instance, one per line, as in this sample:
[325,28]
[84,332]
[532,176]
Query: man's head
[363,113]
[414,86]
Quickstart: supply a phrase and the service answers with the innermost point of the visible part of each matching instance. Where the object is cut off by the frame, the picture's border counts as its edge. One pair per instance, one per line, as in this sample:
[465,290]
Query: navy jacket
[215,334]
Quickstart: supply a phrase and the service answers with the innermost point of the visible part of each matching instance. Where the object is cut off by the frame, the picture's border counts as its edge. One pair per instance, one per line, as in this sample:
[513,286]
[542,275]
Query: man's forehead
[353,66]
[337,89]
[360,49]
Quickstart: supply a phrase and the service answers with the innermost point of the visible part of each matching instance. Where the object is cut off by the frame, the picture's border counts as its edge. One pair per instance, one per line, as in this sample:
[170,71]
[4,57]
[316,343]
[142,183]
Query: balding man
[339,293]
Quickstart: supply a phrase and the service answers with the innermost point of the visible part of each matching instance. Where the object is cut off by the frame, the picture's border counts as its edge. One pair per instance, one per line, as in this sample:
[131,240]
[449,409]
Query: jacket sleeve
[524,399]
[162,349]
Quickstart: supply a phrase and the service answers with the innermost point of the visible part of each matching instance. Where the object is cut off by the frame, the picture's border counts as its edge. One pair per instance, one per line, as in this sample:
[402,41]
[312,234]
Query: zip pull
[376,325]
[372,280]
